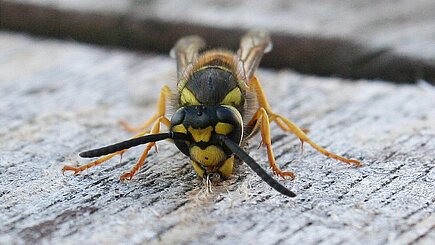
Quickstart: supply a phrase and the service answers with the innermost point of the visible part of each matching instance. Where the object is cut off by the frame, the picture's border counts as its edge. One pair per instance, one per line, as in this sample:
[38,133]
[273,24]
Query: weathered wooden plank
[372,39]
[58,98]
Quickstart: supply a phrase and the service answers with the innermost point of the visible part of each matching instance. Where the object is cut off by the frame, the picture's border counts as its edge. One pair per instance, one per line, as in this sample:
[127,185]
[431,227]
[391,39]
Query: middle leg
[165,94]
[155,130]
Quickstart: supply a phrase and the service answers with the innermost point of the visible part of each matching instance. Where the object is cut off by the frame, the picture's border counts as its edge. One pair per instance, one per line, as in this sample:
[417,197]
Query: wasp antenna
[131,143]
[235,148]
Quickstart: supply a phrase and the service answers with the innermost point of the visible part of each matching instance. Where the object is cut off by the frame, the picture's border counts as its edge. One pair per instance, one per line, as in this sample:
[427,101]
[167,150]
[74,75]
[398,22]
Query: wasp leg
[155,130]
[165,94]
[288,126]
[99,161]
[261,117]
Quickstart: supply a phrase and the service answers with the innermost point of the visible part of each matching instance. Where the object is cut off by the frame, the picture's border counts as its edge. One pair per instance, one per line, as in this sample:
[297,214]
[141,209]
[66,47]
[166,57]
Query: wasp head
[202,125]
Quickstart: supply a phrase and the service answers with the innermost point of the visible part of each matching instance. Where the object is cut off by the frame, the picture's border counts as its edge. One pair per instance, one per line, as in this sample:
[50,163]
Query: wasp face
[202,124]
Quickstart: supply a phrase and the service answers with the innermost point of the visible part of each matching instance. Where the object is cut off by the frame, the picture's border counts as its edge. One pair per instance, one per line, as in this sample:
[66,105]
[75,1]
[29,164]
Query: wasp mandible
[219,104]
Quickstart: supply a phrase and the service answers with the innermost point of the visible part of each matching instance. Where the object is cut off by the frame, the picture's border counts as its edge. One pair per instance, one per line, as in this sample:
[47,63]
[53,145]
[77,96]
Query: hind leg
[99,161]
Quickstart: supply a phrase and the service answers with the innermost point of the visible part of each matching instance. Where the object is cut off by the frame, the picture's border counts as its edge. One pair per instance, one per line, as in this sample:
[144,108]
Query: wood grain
[59,98]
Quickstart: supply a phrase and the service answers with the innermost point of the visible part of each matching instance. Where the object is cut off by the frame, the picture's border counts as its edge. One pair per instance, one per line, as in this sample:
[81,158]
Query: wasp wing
[186,51]
[252,47]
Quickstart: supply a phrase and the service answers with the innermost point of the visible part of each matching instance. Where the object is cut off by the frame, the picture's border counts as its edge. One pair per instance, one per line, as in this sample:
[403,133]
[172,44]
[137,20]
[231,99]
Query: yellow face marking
[223,128]
[234,97]
[198,169]
[210,156]
[227,168]
[201,134]
[187,98]
[179,129]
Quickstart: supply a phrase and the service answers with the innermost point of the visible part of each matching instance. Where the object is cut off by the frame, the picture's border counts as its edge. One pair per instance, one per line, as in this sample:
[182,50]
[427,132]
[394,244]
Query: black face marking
[211,85]
[201,117]
[210,82]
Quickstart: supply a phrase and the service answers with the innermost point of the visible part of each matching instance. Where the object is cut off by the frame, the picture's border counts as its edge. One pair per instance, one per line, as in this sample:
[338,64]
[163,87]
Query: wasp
[219,105]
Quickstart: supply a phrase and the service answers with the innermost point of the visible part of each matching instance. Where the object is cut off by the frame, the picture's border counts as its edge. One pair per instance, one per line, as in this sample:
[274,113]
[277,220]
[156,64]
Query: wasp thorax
[211,85]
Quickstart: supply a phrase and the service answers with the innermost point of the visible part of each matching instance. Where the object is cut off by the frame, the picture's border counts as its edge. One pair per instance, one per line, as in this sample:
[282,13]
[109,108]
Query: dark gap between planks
[305,54]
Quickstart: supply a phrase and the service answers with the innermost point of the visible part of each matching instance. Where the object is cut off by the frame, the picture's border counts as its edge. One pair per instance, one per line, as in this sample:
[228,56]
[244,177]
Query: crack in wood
[301,228]
[431,229]
[386,182]
[36,233]
[351,186]
[177,207]
[387,200]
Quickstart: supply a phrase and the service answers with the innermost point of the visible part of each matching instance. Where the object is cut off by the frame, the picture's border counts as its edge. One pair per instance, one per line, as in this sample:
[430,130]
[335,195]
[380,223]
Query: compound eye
[230,123]
[178,117]
[228,115]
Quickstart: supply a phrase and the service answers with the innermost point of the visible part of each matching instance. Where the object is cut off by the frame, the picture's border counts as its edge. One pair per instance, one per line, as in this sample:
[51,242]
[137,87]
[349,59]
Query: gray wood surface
[59,98]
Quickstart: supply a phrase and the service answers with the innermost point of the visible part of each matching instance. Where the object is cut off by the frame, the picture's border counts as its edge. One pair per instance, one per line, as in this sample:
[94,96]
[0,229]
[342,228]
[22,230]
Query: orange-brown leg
[155,129]
[288,126]
[165,94]
[261,117]
[99,161]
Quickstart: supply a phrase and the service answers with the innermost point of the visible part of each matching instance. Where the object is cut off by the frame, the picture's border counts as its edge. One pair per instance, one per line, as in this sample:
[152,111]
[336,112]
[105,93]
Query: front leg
[165,94]
[155,130]
[155,120]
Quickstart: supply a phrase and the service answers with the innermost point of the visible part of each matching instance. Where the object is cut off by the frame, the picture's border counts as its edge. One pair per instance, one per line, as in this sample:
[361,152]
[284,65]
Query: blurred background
[372,39]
